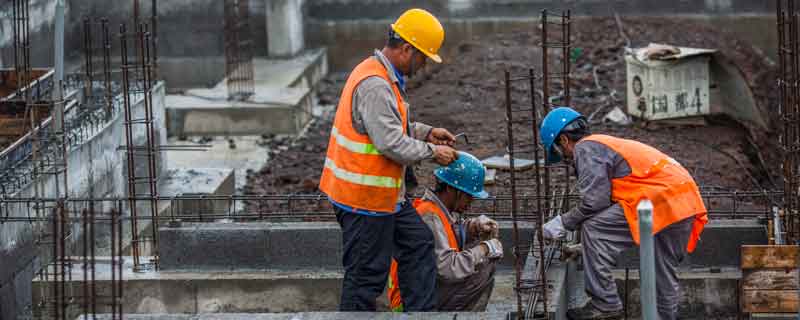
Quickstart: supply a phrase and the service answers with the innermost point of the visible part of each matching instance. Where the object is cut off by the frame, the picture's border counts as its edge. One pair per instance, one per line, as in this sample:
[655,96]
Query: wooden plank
[770,301]
[766,256]
[772,279]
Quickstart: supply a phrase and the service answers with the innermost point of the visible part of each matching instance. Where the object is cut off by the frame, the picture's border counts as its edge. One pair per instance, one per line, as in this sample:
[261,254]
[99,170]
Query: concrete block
[218,246]
[262,245]
[285,36]
[319,316]
[158,297]
[704,295]
[282,103]
[273,295]
[285,112]
[199,182]
[719,244]
[305,244]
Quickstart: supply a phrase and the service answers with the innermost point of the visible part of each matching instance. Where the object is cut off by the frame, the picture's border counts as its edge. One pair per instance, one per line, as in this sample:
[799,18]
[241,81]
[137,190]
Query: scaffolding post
[647,268]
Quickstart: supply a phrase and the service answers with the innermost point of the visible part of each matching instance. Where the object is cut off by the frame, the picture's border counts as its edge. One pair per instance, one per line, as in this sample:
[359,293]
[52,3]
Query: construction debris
[504,163]
[618,117]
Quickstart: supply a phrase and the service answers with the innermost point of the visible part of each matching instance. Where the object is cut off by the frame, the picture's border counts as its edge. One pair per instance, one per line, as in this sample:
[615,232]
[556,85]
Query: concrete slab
[704,294]
[198,182]
[275,110]
[282,102]
[300,290]
[318,316]
[718,247]
[248,154]
[270,245]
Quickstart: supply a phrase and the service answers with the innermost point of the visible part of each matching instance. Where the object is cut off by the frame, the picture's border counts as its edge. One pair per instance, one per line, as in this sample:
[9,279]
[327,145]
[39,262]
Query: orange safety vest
[423,207]
[355,173]
[662,180]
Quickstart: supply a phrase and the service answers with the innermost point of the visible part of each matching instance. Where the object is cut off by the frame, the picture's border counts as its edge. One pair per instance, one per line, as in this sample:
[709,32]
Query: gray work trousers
[606,234]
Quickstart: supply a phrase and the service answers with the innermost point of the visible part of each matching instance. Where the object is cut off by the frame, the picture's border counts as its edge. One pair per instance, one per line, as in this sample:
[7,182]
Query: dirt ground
[466,94]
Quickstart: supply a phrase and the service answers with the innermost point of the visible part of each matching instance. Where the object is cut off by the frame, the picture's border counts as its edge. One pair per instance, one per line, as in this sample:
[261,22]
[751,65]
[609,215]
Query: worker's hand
[554,229]
[441,136]
[494,248]
[485,227]
[443,155]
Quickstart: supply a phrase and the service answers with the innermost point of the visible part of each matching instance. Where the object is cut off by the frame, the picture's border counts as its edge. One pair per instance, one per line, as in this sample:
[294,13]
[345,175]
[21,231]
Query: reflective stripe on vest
[353,146]
[362,179]
[355,173]
[423,207]
[659,178]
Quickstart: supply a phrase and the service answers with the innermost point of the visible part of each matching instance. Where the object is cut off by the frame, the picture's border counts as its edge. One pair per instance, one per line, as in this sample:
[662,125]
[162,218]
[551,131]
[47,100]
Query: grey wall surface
[97,169]
[193,28]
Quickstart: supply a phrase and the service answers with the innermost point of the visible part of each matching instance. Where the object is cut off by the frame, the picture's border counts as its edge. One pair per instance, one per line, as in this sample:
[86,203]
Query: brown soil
[466,94]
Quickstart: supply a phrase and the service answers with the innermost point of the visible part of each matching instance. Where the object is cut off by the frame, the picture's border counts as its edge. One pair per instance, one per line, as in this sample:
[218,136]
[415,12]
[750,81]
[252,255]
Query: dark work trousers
[370,242]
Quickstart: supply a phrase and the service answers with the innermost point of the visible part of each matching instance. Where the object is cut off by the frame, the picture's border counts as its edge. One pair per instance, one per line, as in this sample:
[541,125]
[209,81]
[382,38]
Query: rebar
[238,50]
[789,115]
[137,83]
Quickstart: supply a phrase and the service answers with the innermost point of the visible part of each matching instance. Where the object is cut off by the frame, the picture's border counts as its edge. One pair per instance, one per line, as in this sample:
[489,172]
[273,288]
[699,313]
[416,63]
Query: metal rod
[647,268]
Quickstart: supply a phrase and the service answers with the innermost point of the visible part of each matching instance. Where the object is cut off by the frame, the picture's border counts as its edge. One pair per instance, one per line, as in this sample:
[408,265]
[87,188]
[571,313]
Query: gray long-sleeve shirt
[376,114]
[596,164]
[465,276]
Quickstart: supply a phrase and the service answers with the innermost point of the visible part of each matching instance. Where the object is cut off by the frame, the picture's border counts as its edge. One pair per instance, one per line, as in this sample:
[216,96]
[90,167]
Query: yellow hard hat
[422,30]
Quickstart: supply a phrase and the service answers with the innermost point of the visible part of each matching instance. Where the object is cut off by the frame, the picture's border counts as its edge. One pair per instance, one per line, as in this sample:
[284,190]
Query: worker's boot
[589,311]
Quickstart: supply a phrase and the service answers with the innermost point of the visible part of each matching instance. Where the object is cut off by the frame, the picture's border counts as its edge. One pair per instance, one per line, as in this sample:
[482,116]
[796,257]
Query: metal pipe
[647,268]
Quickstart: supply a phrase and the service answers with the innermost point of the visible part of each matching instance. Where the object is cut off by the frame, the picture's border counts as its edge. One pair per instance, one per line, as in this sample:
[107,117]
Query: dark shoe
[590,312]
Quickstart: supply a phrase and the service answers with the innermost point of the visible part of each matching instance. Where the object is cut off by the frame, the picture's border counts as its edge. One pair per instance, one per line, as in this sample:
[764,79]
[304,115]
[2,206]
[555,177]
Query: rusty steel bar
[518,256]
[789,114]
[238,50]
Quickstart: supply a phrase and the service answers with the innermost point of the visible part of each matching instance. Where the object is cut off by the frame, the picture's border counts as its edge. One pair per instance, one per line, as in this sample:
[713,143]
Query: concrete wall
[97,169]
[351,28]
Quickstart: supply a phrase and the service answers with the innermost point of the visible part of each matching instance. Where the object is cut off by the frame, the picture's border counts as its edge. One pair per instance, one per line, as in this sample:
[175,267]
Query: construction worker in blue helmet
[466,249]
[614,176]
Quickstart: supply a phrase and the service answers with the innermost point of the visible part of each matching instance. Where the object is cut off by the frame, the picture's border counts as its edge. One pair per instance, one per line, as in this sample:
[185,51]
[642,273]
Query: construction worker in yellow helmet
[372,147]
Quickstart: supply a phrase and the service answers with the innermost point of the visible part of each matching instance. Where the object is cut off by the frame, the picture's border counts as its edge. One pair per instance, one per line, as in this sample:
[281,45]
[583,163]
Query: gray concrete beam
[718,246]
[268,245]
[319,316]
[298,290]
[285,36]
[282,103]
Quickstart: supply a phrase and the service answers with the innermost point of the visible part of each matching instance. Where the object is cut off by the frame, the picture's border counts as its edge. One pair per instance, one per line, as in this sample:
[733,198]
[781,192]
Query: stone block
[718,246]
[305,244]
[219,247]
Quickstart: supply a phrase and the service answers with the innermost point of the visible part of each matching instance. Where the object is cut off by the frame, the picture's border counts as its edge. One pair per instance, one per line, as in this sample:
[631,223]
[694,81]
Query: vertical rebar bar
[238,50]
[518,256]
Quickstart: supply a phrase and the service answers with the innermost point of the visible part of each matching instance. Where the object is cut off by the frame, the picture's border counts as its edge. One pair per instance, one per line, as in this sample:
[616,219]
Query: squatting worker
[372,143]
[614,174]
[467,249]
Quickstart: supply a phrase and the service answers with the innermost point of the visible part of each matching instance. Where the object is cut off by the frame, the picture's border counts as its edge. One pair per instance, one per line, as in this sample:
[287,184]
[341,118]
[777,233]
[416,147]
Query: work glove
[495,248]
[554,229]
[486,228]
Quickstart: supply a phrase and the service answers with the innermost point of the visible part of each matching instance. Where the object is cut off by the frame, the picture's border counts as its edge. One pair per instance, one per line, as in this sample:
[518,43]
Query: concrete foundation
[322,316]
[704,294]
[718,246]
[282,102]
[264,245]
[284,27]
[299,290]
[96,169]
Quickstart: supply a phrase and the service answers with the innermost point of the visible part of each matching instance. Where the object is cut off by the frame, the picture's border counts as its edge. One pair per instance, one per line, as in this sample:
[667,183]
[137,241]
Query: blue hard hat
[552,125]
[465,173]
